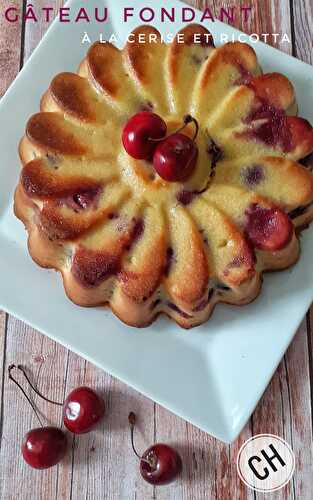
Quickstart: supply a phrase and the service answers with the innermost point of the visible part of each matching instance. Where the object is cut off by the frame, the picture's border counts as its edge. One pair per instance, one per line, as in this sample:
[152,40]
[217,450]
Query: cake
[124,236]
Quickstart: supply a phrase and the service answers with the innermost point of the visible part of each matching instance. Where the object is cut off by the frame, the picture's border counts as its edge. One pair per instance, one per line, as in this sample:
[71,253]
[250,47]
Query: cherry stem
[187,119]
[22,369]
[10,368]
[132,423]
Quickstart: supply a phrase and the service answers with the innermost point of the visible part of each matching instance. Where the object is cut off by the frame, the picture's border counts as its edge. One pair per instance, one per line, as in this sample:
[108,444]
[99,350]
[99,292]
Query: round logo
[265,463]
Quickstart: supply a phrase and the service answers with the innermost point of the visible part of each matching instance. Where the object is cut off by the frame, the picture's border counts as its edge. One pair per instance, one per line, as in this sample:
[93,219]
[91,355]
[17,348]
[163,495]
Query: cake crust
[121,236]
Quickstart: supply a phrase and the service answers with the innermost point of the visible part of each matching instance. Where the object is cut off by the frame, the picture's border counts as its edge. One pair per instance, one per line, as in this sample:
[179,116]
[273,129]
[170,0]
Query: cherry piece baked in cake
[166,178]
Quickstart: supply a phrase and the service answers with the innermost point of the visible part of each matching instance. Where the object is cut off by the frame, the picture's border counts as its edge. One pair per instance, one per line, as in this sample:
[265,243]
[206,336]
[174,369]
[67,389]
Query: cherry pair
[174,157]
[44,447]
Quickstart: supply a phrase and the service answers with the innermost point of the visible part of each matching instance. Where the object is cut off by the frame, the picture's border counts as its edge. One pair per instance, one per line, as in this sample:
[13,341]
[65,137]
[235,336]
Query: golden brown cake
[123,236]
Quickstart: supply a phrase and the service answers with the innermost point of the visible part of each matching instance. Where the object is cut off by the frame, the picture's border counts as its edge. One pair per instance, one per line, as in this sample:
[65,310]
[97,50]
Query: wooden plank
[3,333]
[47,363]
[270,17]
[35,31]
[273,416]
[302,15]
[285,411]
[267,16]
[10,48]
[3,318]
[297,372]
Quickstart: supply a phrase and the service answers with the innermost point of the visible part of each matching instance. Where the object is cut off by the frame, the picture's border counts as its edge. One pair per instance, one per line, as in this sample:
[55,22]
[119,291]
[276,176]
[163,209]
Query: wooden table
[101,464]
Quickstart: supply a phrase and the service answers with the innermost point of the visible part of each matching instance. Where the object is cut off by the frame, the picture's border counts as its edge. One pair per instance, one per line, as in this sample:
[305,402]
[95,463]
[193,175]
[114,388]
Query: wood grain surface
[100,464]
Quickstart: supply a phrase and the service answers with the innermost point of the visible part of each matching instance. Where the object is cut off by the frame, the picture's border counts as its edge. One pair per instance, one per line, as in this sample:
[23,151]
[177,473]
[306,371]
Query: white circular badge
[265,463]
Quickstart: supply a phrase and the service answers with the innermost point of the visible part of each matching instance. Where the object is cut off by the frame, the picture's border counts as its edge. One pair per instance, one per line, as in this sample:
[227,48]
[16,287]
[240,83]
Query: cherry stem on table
[22,369]
[11,367]
[132,423]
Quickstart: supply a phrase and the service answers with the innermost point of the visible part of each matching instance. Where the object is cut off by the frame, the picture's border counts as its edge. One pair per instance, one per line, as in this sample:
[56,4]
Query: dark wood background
[101,465]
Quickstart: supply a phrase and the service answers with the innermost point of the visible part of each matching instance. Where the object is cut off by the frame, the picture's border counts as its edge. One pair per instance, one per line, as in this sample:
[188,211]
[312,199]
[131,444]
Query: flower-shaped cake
[122,235]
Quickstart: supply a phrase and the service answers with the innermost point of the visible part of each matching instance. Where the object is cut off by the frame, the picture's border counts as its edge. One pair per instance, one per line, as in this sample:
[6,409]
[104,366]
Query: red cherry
[176,156]
[160,464]
[138,132]
[44,447]
[83,409]
[268,228]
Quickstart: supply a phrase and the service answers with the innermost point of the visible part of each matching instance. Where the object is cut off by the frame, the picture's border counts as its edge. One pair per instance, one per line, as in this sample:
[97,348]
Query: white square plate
[213,375]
